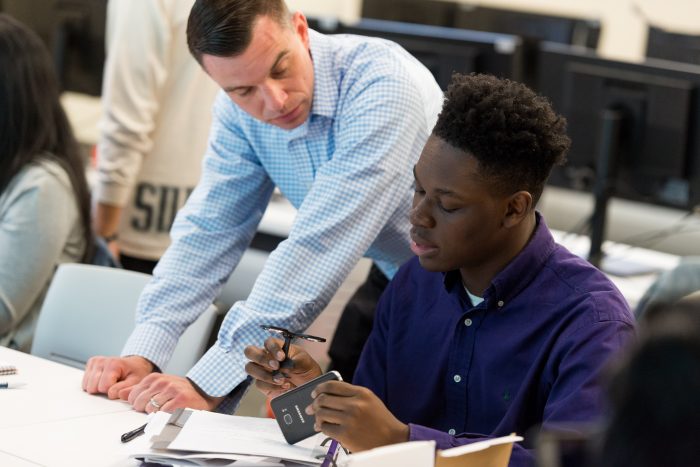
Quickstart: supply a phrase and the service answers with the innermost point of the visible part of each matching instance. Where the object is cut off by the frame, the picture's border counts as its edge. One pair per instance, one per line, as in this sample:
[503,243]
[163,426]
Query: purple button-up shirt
[530,354]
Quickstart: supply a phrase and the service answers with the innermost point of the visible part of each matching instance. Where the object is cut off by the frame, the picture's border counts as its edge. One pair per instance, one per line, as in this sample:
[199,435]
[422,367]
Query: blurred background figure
[44,199]
[157,111]
[670,286]
[654,395]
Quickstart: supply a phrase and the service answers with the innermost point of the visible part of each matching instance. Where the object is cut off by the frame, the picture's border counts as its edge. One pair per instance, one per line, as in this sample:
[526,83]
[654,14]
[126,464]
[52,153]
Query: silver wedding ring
[154,404]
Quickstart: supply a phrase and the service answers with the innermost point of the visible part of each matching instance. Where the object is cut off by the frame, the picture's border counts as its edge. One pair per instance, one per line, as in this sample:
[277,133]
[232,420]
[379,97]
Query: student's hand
[167,393]
[115,376]
[263,361]
[355,417]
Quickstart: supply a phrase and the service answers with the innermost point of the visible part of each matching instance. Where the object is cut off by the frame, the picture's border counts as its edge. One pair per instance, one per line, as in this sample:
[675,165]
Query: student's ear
[518,206]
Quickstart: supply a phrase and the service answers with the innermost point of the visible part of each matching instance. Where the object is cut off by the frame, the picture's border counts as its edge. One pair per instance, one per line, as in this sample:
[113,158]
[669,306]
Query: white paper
[479,446]
[208,459]
[409,454]
[218,433]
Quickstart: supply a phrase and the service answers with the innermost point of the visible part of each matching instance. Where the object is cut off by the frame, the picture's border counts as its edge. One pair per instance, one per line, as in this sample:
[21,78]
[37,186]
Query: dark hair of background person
[654,393]
[33,125]
[223,28]
[514,133]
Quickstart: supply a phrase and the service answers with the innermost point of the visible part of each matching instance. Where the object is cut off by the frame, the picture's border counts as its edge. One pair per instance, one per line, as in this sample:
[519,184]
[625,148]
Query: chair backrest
[89,310]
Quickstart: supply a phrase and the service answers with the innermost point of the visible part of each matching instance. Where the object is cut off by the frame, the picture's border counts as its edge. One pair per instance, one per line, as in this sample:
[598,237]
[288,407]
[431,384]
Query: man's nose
[275,97]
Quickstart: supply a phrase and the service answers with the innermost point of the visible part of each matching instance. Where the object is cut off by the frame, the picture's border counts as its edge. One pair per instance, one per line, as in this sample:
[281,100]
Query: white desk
[52,422]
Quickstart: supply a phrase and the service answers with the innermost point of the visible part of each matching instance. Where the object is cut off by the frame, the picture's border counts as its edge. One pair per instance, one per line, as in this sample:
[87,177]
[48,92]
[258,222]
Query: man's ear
[301,27]
[518,206]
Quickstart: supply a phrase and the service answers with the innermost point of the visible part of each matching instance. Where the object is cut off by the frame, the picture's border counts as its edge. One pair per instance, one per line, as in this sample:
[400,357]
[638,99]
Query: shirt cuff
[112,194]
[423,433]
[218,372]
[151,342]
[230,403]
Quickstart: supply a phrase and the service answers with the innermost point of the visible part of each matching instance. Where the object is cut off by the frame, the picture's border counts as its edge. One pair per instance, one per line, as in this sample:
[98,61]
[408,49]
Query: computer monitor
[445,50]
[74,32]
[635,128]
[441,13]
[673,46]
[562,29]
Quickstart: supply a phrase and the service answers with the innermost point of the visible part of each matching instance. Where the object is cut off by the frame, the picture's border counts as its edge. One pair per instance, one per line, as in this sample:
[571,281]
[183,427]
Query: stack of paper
[195,437]
[200,438]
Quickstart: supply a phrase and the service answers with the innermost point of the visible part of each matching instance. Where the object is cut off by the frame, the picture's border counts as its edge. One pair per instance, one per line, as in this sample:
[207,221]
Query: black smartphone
[289,409]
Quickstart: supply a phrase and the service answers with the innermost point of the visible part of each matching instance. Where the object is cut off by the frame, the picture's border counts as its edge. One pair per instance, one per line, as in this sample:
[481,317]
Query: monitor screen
[673,46]
[657,147]
[74,32]
[440,13]
[574,31]
[444,50]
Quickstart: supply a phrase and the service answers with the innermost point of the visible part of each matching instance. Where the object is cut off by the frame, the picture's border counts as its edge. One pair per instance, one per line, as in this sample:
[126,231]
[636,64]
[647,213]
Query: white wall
[345,10]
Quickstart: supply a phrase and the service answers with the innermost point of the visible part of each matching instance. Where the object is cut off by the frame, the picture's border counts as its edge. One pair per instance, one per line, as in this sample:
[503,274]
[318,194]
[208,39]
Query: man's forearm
[106,219]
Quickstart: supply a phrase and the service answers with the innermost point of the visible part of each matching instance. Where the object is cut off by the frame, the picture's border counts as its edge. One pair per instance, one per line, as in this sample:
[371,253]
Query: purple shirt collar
[517,274]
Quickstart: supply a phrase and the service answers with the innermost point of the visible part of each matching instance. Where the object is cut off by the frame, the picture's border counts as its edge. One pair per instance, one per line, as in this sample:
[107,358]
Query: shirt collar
[326,91]
[325,96]
[525,266]
[520,271]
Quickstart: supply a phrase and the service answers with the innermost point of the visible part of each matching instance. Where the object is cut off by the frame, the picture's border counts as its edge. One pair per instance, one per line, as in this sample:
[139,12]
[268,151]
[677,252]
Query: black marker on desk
[129,435]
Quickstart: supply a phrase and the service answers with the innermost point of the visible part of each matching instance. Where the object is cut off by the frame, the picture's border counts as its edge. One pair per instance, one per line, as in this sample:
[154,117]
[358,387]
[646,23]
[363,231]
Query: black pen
[129,435]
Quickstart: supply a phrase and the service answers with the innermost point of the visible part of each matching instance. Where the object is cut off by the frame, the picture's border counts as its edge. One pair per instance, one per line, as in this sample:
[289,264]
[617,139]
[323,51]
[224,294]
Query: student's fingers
[271,390]
[260,373]
[336,388]
[332,430]
[274,347]
[260,356]
[329,413]
[333,409]
[303,364]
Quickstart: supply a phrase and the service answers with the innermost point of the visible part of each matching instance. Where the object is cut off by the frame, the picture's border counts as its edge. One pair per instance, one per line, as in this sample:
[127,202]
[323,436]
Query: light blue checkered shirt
[347,170]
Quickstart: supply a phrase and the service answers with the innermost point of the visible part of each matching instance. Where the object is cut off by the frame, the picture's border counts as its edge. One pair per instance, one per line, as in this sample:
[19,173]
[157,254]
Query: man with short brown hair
[336,122]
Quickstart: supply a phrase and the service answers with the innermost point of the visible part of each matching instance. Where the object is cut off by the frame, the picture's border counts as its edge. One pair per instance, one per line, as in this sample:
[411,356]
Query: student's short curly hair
[514,134]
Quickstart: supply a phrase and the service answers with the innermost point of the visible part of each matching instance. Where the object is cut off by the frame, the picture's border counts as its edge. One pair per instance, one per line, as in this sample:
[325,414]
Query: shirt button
[451,431]
[500,303]
[467,322]
[457,378]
